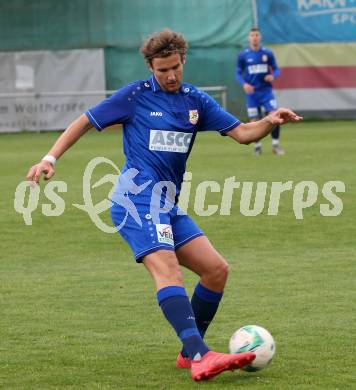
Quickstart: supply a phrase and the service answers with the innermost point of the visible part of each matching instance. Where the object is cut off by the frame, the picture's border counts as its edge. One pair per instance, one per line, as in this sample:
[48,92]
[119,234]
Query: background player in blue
[161,117]
[256,70]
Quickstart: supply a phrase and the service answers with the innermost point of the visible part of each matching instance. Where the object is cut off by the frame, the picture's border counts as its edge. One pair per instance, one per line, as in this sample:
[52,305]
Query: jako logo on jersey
[156,113]
[170,141]
[259,68]
[164,234]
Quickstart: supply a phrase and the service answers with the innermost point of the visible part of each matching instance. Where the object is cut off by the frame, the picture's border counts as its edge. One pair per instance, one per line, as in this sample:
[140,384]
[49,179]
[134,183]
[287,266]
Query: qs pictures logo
[27,196]
[253,198]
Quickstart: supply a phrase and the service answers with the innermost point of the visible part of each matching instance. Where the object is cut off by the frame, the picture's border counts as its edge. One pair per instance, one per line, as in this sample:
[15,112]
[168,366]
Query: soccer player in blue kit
[161,117]
[255,71]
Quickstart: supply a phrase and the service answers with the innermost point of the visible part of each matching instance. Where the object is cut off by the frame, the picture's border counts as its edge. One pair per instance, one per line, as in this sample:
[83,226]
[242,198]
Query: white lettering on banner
[341,11]
[306,5]
[156,113]
[170,141]
[258,68]
[164,234]
[344,18]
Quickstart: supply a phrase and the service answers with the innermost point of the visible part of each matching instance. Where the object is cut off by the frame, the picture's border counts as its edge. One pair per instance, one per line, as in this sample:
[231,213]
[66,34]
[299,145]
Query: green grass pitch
[76,312]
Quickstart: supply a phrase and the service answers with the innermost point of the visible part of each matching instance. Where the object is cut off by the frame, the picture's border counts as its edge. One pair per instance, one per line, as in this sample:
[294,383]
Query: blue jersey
[252,67]
[159,127]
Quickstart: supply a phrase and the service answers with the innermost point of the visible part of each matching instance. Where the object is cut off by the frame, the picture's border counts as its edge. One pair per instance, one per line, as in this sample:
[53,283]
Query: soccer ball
[254,338]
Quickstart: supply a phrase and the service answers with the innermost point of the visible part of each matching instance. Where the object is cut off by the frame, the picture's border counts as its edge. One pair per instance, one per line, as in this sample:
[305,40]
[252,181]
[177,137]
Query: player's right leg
[258,144]
[195,252]
[205,364]
[153,244]
[253,113]
[199,256]
[174,302]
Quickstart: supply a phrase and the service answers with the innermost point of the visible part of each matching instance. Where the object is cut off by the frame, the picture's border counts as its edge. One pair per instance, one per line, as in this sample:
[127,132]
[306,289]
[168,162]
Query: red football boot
[182,362]
[213,363]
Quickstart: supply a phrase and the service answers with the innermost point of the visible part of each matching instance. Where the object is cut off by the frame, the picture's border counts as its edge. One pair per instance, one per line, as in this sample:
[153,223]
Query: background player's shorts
[172,231]
[259,103]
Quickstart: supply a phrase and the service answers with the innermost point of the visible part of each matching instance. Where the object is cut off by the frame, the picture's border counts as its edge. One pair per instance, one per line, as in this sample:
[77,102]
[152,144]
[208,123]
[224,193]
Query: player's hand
[43,167]
[269,78]
[248,88]
[282,116]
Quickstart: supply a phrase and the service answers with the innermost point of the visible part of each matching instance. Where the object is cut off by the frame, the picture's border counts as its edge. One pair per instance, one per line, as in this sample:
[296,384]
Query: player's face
[255,39]
[168,72]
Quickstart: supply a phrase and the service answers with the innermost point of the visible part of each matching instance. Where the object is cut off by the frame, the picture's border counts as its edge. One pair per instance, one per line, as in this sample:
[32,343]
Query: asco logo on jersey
[170,141]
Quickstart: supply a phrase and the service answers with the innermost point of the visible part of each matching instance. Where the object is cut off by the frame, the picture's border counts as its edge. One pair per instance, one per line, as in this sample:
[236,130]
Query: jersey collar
[156,87]
[154,83]
[255,51]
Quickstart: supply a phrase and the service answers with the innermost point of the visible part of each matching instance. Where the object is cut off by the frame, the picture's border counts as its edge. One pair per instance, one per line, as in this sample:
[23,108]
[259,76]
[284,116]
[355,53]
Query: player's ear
[149,66]
[183,59]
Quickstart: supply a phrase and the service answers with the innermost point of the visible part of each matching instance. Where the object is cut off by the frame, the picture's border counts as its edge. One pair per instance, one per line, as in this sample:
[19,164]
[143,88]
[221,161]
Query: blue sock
[275,132]
[205,303]
[177,309]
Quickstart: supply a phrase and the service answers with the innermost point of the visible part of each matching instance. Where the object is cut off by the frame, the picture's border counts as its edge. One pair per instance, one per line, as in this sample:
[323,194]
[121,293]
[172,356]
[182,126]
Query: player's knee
[221,272]
[164,268]
[176,274]
[224,270]
[171,271]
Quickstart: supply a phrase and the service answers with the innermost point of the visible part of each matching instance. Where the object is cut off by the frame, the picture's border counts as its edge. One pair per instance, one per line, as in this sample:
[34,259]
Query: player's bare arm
[248,88]
[73,132]
[253,131]
[269,78]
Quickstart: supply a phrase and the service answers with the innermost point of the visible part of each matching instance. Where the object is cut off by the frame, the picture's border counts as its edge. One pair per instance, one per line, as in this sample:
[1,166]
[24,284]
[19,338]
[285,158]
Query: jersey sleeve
[273,65]
[118,108]
[214,117]
[240,69]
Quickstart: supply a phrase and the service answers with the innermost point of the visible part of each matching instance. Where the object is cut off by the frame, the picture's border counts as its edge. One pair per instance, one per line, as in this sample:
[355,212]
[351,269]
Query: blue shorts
[259,103]
[144,236]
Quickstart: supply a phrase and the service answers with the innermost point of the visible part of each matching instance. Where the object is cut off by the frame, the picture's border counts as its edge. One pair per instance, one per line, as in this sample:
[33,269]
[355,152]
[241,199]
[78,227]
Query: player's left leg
[275,134]
[205,364]
[200,257]
[270,105]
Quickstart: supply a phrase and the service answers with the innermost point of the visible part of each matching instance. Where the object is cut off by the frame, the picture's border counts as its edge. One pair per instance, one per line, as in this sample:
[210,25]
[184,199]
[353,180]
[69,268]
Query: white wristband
[50,159]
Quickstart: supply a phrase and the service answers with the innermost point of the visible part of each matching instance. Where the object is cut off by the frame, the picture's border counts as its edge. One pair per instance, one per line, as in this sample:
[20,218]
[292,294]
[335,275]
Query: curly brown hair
[163,44]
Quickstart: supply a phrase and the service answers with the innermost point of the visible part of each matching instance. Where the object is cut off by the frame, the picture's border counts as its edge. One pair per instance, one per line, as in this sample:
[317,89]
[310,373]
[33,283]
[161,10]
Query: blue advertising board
[305,21]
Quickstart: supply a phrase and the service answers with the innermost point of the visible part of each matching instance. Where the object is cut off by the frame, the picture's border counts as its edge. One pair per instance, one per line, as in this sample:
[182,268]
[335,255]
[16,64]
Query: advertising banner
[302,21]
[318,79]
[46,90]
